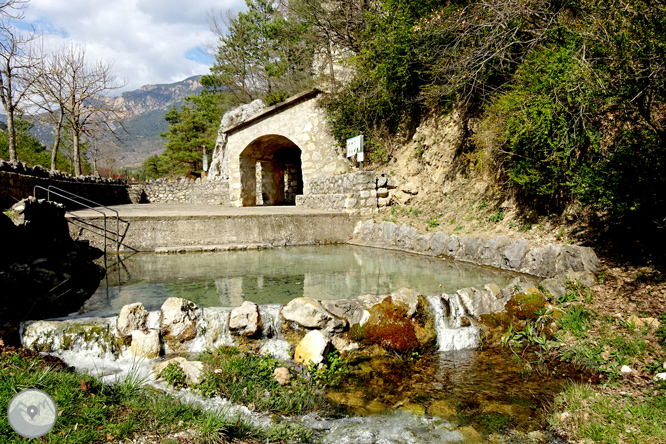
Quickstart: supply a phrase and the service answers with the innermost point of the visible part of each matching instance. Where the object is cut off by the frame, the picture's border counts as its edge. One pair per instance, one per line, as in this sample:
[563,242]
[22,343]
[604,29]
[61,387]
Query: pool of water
[490,390]
[278,275]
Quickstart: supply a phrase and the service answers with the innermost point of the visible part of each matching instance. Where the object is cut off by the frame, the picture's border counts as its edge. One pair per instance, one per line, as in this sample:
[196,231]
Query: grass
[90,411]
[247,378]
[621,409]
[608,416]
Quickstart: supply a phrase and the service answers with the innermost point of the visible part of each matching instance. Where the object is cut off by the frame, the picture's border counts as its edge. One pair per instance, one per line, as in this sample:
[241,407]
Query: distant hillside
[144,111]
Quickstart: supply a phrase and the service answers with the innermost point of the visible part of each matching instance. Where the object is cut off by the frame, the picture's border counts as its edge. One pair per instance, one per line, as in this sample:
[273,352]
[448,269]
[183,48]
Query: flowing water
[278,275]
[458,395]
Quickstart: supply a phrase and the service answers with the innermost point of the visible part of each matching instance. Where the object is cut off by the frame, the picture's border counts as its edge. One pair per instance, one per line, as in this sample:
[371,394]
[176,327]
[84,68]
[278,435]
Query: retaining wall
[184,190]
[360,193]
[557,263]
[18,181]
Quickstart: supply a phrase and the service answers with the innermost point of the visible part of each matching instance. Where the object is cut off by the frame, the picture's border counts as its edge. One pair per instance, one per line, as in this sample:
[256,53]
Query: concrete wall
[17,181]
[149,233]
[183,190]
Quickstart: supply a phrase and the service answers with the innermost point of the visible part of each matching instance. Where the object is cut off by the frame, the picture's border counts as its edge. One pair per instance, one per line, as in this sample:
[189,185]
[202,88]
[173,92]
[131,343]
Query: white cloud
[149,41]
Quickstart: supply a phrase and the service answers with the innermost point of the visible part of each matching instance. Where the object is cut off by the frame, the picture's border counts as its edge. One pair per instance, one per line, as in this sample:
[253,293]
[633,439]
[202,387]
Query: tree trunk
[77,156]
[56,143]
[11,136]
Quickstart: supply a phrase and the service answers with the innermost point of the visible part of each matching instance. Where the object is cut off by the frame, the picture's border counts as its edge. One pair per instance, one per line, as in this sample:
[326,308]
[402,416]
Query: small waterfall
[271,343]
[451,335]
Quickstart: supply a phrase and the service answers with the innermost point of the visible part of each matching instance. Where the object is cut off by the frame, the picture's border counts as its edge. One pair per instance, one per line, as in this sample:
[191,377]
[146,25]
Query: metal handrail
[85,224]
[98,205]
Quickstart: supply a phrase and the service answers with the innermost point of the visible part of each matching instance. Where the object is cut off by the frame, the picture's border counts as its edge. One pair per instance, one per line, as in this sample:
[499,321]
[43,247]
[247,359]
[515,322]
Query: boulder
[406,237]
[438,244]
[367,229]
[281,375]
[309,313]
[352,310]
[145,344]
[423,241]
[513,255]
[452,245]
[408,297]
[389,230]
[132,317]
[245,320]
[576,258]
[480,302]
[313,348]
[410,188]
[470,248]
[541,261]
[178,322]
[193,369]
[491,252]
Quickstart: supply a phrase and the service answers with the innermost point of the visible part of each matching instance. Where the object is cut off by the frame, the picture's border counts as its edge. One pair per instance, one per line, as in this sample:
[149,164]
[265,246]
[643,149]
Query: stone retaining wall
[184,190]
[360,192]
[18,181]
[557,263]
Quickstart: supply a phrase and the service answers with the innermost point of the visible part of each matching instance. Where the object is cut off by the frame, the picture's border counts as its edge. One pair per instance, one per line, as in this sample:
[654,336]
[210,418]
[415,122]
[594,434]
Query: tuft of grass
[174,376]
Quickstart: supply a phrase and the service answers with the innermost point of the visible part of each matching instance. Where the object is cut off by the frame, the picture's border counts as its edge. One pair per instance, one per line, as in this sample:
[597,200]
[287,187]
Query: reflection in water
[276,276]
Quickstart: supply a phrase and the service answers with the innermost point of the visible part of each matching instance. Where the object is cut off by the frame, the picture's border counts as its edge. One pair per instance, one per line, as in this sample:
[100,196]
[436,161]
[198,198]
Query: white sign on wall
[355,146]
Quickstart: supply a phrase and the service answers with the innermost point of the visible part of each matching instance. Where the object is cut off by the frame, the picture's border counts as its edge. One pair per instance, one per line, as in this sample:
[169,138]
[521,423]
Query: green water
[276,276]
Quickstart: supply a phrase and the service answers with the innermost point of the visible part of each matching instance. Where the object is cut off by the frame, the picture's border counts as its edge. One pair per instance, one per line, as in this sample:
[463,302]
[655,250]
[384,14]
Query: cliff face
[156,97]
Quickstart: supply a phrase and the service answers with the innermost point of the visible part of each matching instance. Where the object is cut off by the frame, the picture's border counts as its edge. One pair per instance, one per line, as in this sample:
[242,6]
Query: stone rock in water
[309,313]
[145,345]
[313,348]
[245,320]
[178,321]
[408,297]
[281,375]
[353,310]
[193,369]
[132,317]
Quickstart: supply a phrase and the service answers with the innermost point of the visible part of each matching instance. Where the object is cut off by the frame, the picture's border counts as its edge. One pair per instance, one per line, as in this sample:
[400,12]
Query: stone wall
[18,181]
[557,263]
[183,190]
[359,192]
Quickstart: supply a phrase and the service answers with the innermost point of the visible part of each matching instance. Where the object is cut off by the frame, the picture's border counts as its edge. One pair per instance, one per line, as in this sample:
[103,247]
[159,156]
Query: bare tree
[49,95]
[86,105]
[16,63]
[13,9]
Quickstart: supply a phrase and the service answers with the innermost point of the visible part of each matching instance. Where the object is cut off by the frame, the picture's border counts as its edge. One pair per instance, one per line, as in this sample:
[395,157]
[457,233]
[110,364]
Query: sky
[148,41]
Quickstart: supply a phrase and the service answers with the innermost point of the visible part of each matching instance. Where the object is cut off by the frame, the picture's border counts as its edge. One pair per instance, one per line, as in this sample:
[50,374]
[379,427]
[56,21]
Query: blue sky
[149,41]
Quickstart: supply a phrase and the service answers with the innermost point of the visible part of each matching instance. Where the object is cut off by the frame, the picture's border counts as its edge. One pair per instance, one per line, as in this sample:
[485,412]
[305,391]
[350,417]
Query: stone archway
[270,171]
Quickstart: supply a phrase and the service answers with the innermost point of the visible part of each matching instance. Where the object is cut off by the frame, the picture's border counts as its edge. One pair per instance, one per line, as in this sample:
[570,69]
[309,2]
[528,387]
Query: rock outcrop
[43,272]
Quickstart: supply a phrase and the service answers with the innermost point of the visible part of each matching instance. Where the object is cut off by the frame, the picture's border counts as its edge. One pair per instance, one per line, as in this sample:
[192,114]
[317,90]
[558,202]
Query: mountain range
[143,111]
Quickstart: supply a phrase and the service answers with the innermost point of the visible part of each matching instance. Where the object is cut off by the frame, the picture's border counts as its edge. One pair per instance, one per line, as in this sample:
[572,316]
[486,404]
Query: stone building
[272,156]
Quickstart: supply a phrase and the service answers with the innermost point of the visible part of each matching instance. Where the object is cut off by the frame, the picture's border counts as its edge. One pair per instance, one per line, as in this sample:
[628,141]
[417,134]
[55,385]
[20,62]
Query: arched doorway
[270,172]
